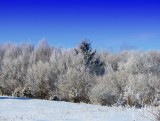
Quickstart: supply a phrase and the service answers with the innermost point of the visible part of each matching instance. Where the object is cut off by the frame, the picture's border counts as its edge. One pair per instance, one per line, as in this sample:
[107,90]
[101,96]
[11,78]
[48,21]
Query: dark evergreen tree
[95,65]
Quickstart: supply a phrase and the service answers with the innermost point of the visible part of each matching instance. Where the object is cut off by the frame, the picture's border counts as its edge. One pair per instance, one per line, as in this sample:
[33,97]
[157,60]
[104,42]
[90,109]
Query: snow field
[18,109]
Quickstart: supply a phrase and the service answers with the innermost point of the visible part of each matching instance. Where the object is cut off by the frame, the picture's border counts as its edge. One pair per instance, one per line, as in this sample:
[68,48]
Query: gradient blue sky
[108,24]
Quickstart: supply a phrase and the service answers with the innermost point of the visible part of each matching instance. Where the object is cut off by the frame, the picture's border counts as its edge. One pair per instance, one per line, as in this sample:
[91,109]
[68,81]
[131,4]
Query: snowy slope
[19,109]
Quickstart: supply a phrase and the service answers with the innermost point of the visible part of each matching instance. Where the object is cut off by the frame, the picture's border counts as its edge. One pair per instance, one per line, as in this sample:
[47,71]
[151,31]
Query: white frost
[19,109]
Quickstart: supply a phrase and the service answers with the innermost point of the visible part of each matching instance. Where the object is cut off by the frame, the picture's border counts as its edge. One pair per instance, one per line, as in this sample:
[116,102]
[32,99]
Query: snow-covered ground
[20,109]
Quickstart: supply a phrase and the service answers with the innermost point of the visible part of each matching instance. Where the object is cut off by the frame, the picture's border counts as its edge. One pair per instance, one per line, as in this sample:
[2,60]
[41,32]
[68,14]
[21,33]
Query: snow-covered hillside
[20,109]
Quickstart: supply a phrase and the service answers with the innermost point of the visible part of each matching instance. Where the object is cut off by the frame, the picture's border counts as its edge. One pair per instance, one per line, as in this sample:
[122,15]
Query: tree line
[80,74]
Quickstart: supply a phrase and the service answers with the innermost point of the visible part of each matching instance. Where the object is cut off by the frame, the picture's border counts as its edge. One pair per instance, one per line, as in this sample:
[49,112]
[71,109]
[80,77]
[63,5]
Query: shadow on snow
[17,98]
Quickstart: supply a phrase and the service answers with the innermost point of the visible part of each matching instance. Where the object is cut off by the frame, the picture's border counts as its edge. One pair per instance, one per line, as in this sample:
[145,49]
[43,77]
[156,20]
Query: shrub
[105,92]
[158,115]
[75,84]
[38,79]
[17,92]
[3,91]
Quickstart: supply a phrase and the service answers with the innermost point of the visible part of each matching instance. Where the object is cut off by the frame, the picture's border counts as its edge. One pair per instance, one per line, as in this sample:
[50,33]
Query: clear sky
[108,24]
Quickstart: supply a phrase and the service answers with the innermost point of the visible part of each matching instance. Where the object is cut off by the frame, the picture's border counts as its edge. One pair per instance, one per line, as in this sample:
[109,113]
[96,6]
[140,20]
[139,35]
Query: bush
[75,84]
[158,115]
[4,91]
[105,92]
[38,79]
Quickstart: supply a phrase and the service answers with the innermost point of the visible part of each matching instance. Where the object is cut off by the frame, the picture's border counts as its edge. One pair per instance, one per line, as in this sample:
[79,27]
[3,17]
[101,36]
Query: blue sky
[108,24]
